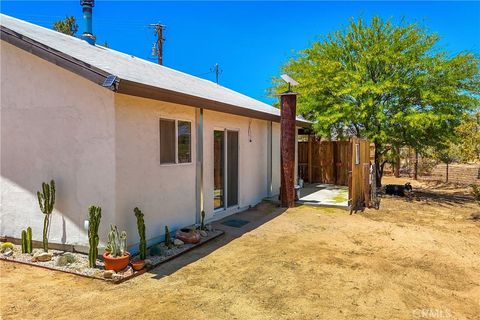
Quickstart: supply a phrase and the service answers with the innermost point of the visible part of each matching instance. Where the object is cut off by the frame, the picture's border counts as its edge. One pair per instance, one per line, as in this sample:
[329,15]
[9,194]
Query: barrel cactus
[141,232]
[46,200]
[95,214]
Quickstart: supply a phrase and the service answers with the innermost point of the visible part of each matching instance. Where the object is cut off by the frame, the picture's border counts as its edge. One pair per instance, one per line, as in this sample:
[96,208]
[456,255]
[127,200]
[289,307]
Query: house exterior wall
[102,149]
[164,192]
[54,125]
[253,165]
[167,193]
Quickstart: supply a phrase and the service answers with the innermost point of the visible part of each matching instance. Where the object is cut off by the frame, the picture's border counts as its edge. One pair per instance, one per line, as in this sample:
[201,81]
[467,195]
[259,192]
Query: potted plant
[116,256]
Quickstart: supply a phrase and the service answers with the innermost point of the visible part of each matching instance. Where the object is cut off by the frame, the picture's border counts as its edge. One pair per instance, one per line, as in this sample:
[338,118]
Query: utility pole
[157,49]
[217,71]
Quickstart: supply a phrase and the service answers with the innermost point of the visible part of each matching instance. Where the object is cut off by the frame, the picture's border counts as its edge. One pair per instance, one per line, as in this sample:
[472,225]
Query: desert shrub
[5,246]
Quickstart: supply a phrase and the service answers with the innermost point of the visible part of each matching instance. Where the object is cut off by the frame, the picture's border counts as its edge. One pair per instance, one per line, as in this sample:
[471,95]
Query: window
[175,141]
[184,142]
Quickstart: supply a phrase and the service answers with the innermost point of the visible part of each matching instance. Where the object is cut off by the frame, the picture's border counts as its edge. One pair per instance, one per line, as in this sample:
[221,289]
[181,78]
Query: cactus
[29,245]
[202,221]
[46,200]
[95,214]
[117,243]
[168,239]
[24,241]
[141,232]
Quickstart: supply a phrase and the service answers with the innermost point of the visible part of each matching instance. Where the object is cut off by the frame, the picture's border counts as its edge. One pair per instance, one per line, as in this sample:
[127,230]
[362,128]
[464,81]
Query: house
[167,142]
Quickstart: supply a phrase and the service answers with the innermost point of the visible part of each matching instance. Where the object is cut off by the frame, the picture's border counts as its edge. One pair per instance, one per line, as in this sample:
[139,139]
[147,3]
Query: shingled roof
[136,76]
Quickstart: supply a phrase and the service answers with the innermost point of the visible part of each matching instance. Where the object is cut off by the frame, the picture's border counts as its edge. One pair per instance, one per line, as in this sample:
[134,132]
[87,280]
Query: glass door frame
[225,169]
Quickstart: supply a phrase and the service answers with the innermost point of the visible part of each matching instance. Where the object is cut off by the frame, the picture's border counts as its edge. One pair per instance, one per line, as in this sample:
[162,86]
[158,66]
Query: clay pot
[116,263]
[188,236]
[138,265]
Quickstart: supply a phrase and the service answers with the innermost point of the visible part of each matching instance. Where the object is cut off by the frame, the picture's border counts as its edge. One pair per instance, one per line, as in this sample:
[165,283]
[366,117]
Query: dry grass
[410,260]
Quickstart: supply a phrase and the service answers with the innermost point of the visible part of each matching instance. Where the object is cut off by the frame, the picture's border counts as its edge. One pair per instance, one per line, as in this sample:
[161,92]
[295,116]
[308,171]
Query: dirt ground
[417,259]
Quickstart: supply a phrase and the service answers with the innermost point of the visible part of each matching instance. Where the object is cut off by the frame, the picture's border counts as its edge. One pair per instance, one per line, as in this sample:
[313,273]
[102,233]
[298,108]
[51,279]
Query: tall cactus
[202,221]
[46,200]
[141,232]
[168,238]
[27,240]
[24,241]
[95,214]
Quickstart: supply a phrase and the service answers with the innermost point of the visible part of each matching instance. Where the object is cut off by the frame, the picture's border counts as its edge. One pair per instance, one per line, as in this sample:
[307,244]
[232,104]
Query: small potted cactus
[116,256]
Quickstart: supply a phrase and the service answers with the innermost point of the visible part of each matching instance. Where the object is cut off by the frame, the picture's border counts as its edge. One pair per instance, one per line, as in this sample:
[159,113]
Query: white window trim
[176,142]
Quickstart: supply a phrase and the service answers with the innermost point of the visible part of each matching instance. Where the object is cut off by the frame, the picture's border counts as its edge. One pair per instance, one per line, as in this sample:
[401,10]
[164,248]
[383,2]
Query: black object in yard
[398,190]
[235,223]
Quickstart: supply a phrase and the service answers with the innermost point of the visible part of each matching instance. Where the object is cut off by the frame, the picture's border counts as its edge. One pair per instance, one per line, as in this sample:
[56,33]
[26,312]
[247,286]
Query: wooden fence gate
[345,163]
[359,184]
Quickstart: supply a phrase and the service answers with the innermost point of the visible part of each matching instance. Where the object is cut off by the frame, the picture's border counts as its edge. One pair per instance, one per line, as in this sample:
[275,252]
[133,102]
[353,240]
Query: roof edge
[128,87]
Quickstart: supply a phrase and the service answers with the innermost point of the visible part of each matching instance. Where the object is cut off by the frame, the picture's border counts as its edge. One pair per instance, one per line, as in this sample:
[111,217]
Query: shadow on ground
[256,216]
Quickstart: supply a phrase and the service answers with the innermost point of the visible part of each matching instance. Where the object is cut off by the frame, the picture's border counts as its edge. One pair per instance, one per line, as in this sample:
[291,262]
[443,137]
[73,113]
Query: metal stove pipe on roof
[87,34]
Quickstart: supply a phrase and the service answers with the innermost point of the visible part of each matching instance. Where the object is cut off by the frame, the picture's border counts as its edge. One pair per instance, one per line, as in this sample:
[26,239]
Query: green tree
[384,82]
[466,148]
[68,26]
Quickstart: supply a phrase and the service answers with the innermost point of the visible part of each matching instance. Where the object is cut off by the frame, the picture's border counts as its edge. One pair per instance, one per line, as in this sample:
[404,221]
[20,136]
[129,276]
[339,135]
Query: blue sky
[250,40]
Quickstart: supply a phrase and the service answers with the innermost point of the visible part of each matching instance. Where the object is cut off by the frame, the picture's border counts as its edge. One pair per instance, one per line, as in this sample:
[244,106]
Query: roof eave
[128,87]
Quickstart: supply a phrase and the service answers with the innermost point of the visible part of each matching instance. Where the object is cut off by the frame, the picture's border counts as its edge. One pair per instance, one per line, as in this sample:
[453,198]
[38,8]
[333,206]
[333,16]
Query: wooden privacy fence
[345,163]
[324,161]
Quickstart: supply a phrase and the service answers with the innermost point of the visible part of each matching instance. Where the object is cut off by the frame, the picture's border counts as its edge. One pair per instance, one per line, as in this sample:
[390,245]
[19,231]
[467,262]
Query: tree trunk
[378,167]
[415,166]
[446,176]
[397,162]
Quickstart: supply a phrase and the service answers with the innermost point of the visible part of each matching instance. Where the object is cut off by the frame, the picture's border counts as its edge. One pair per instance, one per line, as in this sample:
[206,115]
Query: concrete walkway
[324,194]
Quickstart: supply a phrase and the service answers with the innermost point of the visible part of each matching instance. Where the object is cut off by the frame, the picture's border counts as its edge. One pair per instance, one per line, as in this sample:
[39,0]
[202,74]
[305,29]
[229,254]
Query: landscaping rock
[476,216]
[128,271]
[116,277]
[178,242]
[203,233]
[108,274]
[42,257]
[8,252]
[148,263]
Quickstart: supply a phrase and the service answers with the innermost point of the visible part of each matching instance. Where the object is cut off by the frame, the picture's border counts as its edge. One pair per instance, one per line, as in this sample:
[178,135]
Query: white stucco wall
[276,158]
[252,159]
[165,193]
[54,125]
[103,148]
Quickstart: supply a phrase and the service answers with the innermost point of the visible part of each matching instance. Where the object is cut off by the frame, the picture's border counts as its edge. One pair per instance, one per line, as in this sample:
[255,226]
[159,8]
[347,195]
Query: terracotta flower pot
[138,265]
[116,263]
[188,236]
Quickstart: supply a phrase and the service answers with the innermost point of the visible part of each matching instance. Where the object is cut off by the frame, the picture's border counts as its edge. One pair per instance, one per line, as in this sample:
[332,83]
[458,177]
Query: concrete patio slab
[324,194]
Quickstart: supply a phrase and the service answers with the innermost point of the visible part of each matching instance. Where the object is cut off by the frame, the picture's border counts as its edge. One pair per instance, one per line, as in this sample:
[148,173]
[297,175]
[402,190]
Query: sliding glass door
[225,168]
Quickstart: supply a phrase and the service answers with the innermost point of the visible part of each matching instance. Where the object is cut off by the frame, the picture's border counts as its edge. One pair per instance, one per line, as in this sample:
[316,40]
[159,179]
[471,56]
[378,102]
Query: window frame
[176,163]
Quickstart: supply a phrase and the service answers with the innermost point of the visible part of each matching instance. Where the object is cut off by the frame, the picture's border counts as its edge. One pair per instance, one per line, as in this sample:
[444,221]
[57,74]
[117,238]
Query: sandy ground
[416,259]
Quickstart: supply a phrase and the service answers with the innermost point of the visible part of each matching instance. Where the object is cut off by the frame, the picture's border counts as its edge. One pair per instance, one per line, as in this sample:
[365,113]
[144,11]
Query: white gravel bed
[80,265]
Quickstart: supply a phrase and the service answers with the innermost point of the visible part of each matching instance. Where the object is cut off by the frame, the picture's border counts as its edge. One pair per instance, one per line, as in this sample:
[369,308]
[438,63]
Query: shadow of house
[256,217]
